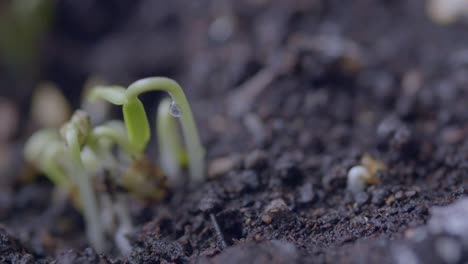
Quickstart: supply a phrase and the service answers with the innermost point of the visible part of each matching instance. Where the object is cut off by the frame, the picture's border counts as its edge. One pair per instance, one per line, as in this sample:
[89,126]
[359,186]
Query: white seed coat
[357,178]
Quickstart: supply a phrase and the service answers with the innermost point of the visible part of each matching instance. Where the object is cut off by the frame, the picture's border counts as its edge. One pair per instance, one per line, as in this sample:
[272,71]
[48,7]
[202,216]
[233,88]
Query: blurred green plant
[171,150]
[80,154]
[23,24]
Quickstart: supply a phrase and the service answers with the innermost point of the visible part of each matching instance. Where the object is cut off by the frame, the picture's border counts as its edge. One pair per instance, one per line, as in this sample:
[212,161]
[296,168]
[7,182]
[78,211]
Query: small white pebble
[357,176]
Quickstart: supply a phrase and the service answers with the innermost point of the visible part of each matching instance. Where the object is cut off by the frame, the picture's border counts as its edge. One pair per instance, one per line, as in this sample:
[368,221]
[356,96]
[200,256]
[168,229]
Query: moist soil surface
[288,95]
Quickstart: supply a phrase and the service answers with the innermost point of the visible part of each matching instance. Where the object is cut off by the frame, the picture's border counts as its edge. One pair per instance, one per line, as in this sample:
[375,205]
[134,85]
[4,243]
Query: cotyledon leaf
[137,124]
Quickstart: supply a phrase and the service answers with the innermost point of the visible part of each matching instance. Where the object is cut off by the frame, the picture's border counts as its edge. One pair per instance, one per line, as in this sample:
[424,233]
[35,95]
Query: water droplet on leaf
[175,110]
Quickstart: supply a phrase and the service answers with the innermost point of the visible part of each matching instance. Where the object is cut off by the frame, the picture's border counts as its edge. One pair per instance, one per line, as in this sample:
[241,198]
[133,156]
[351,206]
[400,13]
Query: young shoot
[114,132]
[79,155]
[75,134]
[136,120]
[171,150]
[60,158]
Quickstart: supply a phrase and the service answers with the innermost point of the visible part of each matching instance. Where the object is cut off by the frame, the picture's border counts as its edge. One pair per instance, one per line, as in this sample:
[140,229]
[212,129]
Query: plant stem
[90,209]
[170,146]
[125,226]
[195,150]
[115,136]
[113,94]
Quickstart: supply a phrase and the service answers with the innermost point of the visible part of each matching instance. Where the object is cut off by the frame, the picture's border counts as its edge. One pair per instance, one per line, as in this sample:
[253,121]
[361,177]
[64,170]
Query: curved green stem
[156,84]
[113,94]
[196,153]
[116,136]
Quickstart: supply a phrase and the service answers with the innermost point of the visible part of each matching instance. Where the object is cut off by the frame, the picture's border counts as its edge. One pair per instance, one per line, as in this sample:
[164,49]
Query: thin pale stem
[170,146]
[125,225]
[90,209]
[113,94]
[116,137]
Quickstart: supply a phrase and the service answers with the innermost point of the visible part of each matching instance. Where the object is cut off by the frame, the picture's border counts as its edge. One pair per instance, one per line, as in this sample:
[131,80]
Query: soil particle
[250,179]
[288,169]
[378,196]
[306,193]
[434,243]
[273,209]
[263,252]
[256,159]
[158,251]
[256,128]
[451,220]
[210,203]
[394,134]
[411,193]
[275,206]
[86,256]
[11,251]
[443,240]
[361,198]
[454,135]
[221,166]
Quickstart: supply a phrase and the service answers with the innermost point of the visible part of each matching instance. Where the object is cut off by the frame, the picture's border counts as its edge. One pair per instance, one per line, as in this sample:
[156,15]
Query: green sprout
[72,159]
[76,133]
[171,151]
[60,159]
[80,154]
[136,120]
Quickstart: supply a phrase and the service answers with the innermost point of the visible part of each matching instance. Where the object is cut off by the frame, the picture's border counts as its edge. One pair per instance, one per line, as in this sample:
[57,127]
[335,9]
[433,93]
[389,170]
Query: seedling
[60,159]
[171,150]
[74,159]
[76,133]
[136,120]
[77,155]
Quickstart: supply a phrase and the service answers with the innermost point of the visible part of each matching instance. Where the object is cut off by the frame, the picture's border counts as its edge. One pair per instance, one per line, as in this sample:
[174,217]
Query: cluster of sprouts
[82,159]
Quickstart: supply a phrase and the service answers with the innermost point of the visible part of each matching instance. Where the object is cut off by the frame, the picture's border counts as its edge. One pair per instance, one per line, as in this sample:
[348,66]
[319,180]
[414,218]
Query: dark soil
[287,103]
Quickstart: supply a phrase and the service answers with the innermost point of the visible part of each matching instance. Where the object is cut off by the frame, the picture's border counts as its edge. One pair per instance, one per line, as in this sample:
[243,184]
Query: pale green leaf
[137,124]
